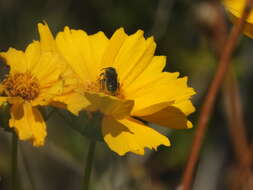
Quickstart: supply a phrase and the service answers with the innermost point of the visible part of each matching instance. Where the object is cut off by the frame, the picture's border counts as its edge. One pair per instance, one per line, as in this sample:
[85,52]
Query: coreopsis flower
[33,80]
[235,8]
[123,80]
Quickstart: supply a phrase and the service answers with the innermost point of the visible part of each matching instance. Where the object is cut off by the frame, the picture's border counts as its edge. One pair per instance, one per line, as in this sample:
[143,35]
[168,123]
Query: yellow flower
[123,79]
[235,8]
[33,81]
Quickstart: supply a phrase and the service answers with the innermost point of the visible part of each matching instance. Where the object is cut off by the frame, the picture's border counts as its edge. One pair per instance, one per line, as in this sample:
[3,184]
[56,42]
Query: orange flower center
[22,85]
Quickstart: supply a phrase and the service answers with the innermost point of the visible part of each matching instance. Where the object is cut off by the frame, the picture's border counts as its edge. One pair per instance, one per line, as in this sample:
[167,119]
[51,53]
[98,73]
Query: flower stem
[88,166]
[14,159]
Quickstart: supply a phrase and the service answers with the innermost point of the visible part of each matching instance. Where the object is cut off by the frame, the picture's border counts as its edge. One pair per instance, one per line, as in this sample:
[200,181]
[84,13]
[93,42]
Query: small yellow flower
[33,81]
[235,8]
[122,79]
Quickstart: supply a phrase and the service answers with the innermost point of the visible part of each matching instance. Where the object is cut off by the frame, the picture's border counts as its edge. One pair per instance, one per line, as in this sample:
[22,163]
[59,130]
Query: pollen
[92,87]
[97,87]
[22,85]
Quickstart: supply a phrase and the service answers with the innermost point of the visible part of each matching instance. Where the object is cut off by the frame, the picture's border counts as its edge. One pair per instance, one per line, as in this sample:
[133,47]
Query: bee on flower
[122,79]
[109,80]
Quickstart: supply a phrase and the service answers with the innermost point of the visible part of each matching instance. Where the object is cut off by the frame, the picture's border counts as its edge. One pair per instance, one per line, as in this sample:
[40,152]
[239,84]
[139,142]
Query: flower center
[23,85]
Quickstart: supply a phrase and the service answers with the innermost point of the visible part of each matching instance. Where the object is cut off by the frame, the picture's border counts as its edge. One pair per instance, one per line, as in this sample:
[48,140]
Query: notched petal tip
[46,37]
[66,29]
[15,59]
[171,117]
[139,32]
[10,52]
[120,30]
[37,143]
[129,135]
[28,123]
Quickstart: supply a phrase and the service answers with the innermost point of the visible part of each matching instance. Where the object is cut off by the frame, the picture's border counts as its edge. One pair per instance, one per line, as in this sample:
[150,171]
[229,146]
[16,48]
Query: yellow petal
[235,7]
[78,49]
[151,109]
[248,30]
[151,75]
[43,60]
[109,105]
[48,68]
[28,123]
[172,90]
[98,44]
[45,66]
[129,135]
[248,27]
[170,116]
[134,56]
[185,106]
[48,93]
[46,38]
[16,60]
[3,100]
[32,53]
[15,100]
[75,102]
[113,48]
[87,50]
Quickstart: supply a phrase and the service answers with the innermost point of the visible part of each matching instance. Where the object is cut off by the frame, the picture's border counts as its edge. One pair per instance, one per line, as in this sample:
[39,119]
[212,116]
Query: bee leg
[102,84]
[102,74]
[117,89]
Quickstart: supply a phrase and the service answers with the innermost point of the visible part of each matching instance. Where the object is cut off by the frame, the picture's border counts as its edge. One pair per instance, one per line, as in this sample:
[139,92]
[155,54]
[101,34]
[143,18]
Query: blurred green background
[186,32]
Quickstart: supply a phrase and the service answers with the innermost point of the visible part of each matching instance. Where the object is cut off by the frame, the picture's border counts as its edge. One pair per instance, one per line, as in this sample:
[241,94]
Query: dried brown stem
[236,122]
[237,133]
[211,96]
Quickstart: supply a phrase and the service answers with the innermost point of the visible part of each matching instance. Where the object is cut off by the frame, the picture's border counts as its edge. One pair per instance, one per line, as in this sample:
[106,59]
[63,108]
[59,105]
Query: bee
[109,80]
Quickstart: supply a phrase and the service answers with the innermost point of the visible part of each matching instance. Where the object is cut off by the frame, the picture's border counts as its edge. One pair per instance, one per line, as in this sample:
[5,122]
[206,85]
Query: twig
[237,130]
[236,122]
[211,96]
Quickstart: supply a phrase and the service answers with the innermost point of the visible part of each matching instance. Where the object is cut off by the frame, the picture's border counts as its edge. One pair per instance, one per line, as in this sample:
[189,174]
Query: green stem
[27,167]
[14,159]
[88,166]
